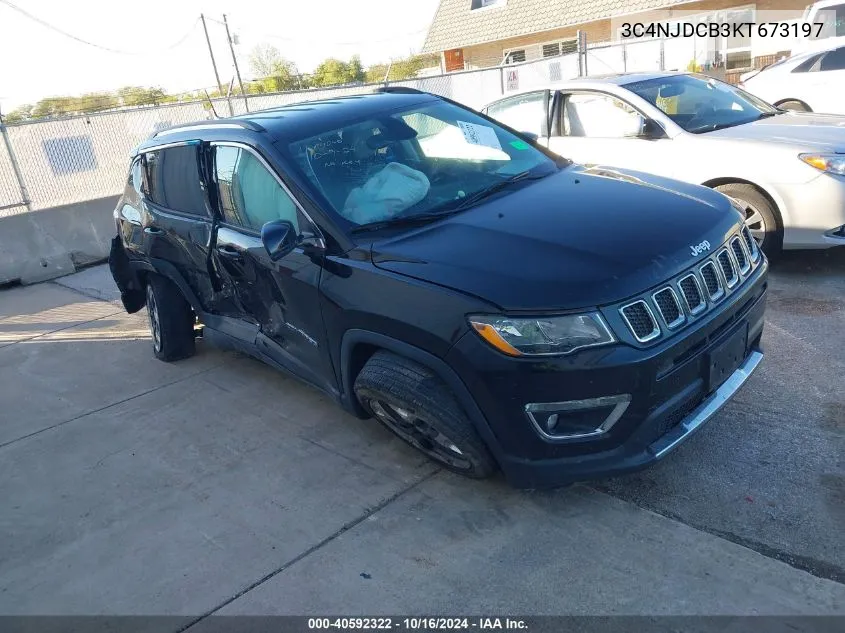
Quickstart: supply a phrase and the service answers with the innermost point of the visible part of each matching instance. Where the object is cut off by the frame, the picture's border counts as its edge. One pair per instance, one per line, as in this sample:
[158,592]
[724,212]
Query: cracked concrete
[219,486]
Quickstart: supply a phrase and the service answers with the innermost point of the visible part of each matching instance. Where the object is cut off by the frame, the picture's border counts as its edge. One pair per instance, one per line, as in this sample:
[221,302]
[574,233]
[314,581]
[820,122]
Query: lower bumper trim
[707,409]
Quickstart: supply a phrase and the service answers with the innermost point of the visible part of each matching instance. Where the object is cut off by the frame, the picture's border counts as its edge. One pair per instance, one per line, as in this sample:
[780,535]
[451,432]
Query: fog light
[576,419]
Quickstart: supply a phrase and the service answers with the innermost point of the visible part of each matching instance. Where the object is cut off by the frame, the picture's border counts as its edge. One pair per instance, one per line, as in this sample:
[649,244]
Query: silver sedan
[785,170]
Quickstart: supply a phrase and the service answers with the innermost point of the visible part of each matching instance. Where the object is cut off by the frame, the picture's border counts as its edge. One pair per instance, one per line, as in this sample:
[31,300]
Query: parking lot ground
[217,485]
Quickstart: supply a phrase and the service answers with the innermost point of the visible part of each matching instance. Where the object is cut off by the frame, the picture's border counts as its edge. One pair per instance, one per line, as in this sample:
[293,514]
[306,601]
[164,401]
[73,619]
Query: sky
[36,62]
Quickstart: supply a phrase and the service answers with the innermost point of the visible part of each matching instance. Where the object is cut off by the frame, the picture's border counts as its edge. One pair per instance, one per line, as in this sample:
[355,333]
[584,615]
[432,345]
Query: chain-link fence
[74,159]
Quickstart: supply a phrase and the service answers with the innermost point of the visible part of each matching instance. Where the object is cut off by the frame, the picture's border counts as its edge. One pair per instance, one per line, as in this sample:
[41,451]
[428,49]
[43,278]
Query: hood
[578,238]
[819,132]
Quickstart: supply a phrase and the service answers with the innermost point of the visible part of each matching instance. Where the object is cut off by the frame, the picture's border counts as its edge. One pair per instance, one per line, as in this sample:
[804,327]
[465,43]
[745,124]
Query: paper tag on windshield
[479,134]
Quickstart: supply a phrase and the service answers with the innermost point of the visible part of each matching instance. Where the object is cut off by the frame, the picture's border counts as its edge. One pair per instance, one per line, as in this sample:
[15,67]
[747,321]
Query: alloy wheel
[419,433]
[755,221]
[152,314]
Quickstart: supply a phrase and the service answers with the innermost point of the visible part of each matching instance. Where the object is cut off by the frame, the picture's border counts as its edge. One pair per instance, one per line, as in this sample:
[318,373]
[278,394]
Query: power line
[86,42]
[310,41]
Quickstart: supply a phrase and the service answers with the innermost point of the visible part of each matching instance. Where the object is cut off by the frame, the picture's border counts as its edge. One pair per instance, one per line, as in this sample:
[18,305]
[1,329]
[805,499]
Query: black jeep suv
[492,304]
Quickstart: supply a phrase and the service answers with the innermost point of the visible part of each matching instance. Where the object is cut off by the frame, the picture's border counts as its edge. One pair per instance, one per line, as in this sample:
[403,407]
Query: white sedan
[786,170]
[810,82]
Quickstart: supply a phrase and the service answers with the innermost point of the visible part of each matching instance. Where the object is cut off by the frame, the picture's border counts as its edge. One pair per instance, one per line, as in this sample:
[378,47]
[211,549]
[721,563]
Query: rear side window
[173,180]
[523,113]
[834,60]
[250,196]
[808,65]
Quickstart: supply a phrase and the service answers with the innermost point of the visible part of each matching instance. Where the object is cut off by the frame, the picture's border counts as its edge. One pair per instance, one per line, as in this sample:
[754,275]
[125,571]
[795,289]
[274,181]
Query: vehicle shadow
[829,261]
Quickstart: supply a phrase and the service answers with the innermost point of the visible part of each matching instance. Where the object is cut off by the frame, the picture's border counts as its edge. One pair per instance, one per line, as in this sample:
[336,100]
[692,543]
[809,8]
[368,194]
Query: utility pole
[235,62]
[211,53]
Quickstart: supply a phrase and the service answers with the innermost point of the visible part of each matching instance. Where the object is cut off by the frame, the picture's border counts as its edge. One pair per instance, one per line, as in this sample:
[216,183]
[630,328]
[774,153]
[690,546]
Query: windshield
[414,162]
[832,19]
[701,104]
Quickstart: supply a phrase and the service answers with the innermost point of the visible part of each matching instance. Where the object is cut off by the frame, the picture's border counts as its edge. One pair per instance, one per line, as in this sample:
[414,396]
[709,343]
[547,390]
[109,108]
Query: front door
[280,298]
[172,221]
[601,129]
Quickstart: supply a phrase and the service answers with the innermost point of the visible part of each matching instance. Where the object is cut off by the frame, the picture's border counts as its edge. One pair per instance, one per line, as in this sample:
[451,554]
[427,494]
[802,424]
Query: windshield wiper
[766,115]
[408,220]
[450,209]
[478,196]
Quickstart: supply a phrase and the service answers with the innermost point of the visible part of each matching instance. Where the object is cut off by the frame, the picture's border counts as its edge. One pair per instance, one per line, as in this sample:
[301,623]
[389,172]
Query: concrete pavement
[217,485]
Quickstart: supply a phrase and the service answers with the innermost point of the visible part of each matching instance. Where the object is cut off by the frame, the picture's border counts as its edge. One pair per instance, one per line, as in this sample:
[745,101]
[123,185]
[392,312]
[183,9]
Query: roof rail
[400,90]
[226,124]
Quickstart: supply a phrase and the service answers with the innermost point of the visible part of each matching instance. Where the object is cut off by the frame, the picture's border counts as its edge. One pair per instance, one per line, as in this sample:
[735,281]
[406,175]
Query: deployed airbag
[386,194]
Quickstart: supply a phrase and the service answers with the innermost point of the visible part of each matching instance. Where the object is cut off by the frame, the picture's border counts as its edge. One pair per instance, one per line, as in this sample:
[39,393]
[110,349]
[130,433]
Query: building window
[515,57]
[564,47]
[483,4]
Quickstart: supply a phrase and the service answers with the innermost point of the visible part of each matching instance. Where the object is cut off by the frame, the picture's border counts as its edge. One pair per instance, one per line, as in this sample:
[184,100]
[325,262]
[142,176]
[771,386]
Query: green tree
[356,69]
[137,96]
[94,102]
[406,68]
[51,107]
[21,113]
[335,71]
[274,71]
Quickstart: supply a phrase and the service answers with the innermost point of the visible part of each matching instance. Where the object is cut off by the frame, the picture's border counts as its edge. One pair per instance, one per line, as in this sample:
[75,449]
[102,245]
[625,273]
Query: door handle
[229,251]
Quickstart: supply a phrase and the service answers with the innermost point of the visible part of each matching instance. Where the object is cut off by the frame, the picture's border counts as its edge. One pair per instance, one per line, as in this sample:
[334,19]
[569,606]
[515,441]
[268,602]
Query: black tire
[171,320]
[768,231]
[410,400]
[794,105]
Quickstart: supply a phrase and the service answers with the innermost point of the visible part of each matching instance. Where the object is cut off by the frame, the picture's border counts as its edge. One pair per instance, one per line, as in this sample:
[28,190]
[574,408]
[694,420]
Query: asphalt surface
[218,486]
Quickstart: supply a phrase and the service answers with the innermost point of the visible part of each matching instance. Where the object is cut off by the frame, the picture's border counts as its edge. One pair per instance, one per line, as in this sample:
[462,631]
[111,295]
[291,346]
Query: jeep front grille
[712,281]
[691,290]
[669,307]
[751,243]
[729,273]
[641,321]
[739,253]
[662,312]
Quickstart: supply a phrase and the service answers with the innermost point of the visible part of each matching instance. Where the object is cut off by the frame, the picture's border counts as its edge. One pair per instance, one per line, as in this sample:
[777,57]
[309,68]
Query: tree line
[274,72]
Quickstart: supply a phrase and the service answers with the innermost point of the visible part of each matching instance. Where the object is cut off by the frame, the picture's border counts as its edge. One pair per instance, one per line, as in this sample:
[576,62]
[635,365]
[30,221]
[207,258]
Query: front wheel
[794,106]
[416,405]
[761,217]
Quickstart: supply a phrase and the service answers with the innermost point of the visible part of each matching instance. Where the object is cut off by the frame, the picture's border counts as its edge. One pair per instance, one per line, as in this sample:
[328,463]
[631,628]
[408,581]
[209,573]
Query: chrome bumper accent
[707,409]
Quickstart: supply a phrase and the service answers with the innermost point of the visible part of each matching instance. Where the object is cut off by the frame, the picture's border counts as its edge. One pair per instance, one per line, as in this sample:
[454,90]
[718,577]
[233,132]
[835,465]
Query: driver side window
[595,115]
[250,196]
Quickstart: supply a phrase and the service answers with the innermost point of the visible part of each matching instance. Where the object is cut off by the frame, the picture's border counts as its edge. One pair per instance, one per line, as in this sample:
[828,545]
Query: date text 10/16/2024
[417,624]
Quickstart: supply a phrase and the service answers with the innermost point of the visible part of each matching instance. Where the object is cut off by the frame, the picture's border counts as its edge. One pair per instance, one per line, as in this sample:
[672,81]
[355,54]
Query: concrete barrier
[54,242]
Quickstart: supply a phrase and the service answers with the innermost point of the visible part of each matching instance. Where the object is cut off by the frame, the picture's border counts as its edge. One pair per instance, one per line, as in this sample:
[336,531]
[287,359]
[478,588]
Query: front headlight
[831,163]
[542,335]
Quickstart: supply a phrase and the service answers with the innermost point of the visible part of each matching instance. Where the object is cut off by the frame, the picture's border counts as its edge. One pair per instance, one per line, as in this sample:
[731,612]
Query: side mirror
[530,135]
[651,129]
[279,238]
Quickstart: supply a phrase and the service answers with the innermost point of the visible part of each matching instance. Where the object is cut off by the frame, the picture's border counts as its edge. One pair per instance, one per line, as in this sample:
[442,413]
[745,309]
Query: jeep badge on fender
[700,248]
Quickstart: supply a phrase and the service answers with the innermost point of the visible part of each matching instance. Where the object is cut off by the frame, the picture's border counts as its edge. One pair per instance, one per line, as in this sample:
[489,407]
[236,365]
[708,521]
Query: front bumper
[672,394]
[815,213]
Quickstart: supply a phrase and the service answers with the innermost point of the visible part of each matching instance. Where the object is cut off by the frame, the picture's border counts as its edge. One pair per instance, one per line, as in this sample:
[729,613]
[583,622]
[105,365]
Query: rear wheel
[761,217]
[416,405]
[171,320]
[795,106]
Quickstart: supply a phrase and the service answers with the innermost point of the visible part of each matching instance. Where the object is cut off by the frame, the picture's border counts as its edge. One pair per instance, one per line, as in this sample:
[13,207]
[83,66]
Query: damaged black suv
[492,304]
